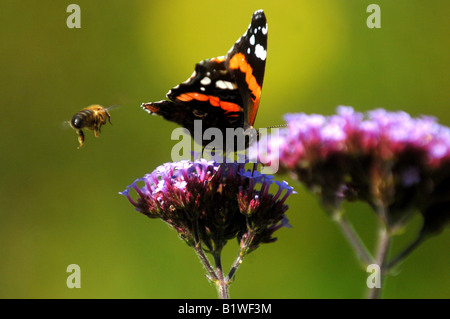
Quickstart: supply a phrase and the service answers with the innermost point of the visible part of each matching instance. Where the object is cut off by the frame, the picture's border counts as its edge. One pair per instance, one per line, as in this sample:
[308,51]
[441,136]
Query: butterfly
[223,92]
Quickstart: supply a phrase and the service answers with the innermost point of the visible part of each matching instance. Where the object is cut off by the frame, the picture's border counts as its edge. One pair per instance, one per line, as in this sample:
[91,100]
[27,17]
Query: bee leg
[109,117]
[96,131]
[80,138]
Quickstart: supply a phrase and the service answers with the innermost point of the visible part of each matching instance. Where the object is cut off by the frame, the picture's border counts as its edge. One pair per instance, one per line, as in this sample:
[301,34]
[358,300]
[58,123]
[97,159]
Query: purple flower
[209,203]
[396,163]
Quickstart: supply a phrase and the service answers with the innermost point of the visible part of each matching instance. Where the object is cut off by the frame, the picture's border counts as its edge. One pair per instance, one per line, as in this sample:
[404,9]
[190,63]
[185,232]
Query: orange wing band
[214,100]
[238,61]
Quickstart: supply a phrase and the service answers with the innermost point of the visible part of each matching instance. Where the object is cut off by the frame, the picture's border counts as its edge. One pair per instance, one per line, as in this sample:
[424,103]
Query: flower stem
[384,241]
[242,252]
[353,238]
[221,283]
[199,250]
[400,257]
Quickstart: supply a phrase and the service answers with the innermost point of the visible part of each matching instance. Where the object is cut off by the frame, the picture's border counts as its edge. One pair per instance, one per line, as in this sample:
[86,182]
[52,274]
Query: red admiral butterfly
[223,92]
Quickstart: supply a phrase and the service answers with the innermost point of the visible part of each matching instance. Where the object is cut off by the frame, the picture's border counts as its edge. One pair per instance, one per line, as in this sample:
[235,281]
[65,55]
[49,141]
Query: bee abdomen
[80,119]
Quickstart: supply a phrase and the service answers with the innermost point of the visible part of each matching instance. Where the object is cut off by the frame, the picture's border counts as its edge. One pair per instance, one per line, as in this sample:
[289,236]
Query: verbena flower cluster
[209,203]
[396,163]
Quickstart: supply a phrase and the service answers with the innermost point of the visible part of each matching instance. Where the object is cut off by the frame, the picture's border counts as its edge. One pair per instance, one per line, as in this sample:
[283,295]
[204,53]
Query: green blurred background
[60,205]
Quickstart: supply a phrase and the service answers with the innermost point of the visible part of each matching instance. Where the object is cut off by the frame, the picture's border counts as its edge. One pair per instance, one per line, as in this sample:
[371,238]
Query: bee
[92,118]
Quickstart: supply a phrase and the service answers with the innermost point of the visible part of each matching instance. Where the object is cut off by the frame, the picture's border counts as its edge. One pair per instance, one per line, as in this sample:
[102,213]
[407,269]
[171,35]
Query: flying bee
[92,118]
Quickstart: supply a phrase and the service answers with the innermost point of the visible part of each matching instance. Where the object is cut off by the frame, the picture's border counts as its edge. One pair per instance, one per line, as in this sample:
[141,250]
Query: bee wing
[65,125]
[111,107]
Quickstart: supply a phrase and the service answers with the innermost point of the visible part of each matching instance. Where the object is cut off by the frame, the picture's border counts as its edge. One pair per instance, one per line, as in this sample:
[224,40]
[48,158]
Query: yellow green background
[60,205]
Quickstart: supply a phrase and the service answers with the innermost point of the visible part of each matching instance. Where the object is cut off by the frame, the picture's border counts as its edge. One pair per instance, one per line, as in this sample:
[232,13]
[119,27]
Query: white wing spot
[221,84]
[205,81]
[264,30]
[252,40]
[260,52]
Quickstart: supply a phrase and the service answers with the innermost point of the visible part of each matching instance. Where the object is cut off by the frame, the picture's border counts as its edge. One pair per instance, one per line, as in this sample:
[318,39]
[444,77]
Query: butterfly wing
[246,61]
[210,95]
[223,92]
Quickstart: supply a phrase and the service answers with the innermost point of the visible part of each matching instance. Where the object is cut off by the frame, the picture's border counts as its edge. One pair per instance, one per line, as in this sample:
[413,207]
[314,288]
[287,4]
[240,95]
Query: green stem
[221,283]
[199,250]
[400,257]
[352,237]
[384,241]
[242,252]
